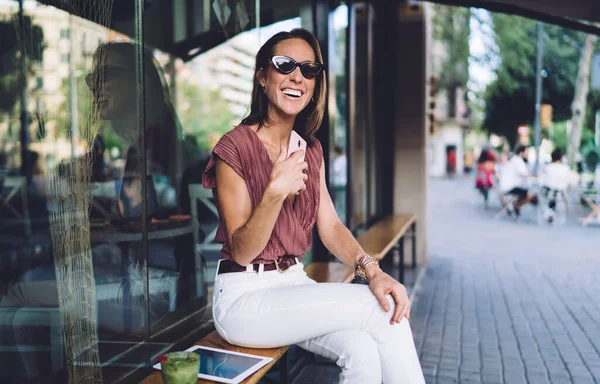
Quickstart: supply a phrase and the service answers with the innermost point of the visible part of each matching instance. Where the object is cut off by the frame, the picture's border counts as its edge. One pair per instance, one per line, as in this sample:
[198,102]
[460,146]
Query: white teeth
[292,92]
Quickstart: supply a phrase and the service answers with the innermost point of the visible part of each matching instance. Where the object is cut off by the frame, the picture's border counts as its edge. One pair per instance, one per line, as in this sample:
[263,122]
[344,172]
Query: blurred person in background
[468,162]
[556,177]
[513,181]
[486,170]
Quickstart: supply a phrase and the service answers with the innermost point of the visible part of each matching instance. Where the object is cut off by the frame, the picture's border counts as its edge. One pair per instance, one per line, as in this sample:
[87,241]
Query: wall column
[411,42]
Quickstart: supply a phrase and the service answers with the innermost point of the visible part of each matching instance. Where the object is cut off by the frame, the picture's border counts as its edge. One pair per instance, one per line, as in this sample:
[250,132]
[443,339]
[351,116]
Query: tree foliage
[451,28]
[13,42]
[203,113]
[510,98]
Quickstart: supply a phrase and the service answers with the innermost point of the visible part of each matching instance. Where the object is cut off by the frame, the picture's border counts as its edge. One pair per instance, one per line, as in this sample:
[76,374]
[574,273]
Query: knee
[360,360]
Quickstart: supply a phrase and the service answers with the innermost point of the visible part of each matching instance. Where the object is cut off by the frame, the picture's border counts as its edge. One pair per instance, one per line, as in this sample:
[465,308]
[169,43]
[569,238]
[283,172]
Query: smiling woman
[306,88]
[268,204]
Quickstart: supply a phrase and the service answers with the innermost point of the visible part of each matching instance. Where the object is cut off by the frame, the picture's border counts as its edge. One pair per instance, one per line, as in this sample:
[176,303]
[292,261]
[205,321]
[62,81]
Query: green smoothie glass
[180,367]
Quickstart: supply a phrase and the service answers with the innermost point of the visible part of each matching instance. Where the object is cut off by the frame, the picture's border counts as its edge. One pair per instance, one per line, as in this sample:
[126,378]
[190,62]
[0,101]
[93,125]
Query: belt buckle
[279,269]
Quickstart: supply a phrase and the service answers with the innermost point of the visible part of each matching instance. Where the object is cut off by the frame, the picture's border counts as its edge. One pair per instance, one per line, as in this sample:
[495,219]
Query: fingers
[297,155]
[402,306]
[397,311]
[282,154]
[380,296]
[301,189]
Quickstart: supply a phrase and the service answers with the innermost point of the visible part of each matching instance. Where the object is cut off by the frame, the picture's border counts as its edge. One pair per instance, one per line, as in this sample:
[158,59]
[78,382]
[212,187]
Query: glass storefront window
[339,160]
[106,252]
[100,269]
[359,125]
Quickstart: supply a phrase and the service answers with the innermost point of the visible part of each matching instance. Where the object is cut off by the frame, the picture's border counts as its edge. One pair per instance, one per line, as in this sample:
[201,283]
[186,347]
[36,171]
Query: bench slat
[323,272]
[379,239]
[213,340]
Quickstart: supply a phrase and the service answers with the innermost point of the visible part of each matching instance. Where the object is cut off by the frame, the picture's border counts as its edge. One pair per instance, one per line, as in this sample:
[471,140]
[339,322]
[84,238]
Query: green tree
[451,28]
[203,113]
[14,42]
[84,100]
[510,98]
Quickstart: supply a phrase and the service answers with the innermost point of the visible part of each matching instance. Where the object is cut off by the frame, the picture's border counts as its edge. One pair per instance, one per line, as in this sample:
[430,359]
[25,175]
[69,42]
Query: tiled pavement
[504,301]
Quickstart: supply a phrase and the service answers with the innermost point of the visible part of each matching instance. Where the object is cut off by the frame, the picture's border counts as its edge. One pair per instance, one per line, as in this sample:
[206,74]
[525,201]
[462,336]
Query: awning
[162,18]
[576,14]
[582,15]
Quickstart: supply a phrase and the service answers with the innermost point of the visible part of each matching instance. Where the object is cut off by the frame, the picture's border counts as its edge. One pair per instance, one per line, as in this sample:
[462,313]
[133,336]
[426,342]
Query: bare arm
[334,234]
[338,239]
[248,231]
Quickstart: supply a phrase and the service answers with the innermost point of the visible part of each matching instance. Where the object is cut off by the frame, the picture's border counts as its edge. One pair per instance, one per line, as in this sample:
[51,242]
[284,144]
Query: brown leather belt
[281,264]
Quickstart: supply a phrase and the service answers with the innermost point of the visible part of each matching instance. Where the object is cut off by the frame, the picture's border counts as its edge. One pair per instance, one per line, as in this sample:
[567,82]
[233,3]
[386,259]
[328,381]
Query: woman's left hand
[382,284]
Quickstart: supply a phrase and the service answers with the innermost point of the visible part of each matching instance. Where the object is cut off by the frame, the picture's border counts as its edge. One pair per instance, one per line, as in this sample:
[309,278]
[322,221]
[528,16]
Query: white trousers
[343,322]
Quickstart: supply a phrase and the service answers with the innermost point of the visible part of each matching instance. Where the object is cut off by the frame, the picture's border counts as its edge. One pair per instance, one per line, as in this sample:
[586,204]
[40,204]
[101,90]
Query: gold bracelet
[361,265]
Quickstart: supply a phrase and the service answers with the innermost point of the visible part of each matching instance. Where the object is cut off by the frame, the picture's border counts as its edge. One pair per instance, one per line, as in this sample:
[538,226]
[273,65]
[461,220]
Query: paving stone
[446,380]
[448,373]
[489,378]
[583,379]
[537,379]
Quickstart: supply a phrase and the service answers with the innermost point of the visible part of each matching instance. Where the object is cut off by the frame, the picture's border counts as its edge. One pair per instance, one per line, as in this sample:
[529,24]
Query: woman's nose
[296,75]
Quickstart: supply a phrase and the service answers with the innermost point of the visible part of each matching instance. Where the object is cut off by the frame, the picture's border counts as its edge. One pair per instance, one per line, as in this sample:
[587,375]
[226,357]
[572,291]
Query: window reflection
[79,288]
[82,295]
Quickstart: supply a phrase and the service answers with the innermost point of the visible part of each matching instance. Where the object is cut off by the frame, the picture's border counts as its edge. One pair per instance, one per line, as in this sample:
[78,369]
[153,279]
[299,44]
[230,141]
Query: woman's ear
[260,76]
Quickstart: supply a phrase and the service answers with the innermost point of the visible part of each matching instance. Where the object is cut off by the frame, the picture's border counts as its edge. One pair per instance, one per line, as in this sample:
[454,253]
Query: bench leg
[414,244]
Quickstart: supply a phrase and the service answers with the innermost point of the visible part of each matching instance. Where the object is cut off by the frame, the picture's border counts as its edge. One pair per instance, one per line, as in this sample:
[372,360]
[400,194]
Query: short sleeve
[316,146]
[227,149]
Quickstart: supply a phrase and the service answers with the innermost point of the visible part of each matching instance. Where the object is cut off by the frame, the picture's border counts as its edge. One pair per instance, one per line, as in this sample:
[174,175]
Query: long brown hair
[309,120]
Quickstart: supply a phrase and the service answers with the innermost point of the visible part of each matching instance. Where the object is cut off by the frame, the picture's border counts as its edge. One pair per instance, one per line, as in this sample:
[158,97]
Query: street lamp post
[538,93]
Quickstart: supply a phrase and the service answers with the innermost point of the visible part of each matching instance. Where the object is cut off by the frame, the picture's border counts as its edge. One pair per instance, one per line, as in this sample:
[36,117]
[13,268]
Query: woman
[268,204]
[114,88]
[486,170]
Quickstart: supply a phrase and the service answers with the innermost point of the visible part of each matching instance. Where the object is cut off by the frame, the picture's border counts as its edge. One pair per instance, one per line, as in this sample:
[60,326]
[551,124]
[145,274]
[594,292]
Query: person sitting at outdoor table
[556,177]
[268,205]
[513,181]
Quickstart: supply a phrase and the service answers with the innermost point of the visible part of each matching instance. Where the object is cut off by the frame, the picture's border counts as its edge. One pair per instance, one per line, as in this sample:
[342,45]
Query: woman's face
[114,87]
[289,94]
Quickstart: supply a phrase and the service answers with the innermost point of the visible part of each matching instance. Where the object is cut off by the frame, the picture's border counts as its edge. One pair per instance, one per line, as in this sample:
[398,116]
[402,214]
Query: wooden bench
[329,272]
[386,235]
[215,341]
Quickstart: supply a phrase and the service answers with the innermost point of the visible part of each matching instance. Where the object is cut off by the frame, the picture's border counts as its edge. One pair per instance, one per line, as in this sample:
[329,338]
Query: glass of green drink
[180,367]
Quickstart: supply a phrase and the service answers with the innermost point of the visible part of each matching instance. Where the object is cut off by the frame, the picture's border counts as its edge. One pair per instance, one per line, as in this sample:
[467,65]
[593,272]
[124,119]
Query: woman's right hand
[288,176]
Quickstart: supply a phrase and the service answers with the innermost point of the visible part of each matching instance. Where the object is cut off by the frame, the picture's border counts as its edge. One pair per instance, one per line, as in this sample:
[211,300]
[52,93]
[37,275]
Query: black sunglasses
[287,65]
[104,74]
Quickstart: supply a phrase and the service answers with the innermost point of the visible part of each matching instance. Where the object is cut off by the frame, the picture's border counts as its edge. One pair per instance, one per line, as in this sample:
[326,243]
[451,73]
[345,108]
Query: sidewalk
[504,301]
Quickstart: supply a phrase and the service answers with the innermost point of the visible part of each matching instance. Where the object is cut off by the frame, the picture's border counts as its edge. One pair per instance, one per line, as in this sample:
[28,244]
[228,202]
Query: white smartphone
[296,143]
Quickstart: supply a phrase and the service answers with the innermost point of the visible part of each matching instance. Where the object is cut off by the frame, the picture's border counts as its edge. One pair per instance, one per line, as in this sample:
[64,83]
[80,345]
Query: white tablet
[226,366]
